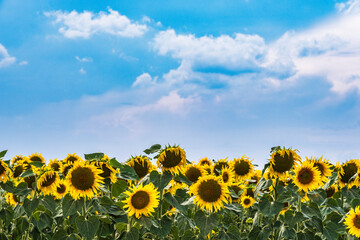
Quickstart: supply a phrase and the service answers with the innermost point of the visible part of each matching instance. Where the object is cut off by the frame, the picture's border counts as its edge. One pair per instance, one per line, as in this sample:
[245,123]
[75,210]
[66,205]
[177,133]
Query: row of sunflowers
[162,195]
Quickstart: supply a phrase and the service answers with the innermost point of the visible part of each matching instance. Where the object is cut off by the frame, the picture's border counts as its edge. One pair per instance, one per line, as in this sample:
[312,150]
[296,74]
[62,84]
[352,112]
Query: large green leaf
[22,224]
[160,180]
[118,187]
[2,153]
[94,156]
[174,202]
[292,218]
[318,196]
[49,203]
[44,221]
[205,223]
[87,226]
[153,149]
[128,173]
[70,206]
[7,215]
[311,210]
[164,227]
[30,205]
[131,235]
[270,209]
[258,233]
[262,185]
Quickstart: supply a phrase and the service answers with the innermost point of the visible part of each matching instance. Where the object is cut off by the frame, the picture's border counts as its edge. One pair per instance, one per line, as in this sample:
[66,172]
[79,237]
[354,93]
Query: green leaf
[293,218]
[27,173]
[160,180]
[8,186]
[22,225]
[30,205]
[131,235]
[262,185]
[115,163]
[37,164]
[232,233]
[121,227]
[270,209]
[189,235]
[44,221]
[105,229]
[128,173]
[205,223]
[71,206]
[22,189]
[153,149]
[7,216]
[332,179]
[317,224]
[49,203]
[180,177]
[287,233]
[2,153]
[94,156]
[318,196]
[60,234]
[3,236]
[329,232]
[258,233]
[87,227]
[311,210]
[118,187]
[174,202]
[164,227]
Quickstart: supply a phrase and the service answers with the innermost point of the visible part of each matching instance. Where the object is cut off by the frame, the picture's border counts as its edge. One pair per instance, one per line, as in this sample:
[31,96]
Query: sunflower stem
[299,210]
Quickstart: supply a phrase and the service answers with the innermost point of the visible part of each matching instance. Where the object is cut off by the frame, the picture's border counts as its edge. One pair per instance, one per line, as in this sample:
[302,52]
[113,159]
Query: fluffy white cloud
[85,24]
[5,58]
[144,80]
[84,59]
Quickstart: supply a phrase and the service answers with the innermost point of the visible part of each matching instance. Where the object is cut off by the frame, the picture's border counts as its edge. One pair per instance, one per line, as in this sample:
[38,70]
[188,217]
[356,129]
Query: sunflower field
[162,195]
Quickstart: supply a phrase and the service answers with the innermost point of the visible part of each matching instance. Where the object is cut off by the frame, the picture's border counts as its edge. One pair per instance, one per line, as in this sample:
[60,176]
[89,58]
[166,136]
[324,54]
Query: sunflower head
[61,190]
[83,180]
[48,182]
[142,165]
[172,159]
[35,157]
[65,168]
[108,172]
[247,201]
[18,158]
[193,172]
[205,162]
[347,173]
[4,172]
[220,164]
[12,199]
[55,165]
[210,193]
[323,165]
[254,177]
[141,200]
[242,168]
[330,191]
[307,177]
[71,158]
[227,176]
[282,161]
[352,221]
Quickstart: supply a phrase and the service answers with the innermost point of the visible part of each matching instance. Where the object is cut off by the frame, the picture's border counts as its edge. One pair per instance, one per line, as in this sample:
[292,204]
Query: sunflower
[220,164]
[61,190]
[282,161]
[18,169]
[352,221]
[17,158]
[12,199]
[330,191]
[347,172]
[37,158]
[307,177]
[141,165]
[172,159]
[108,172]
[227,176]
[205,161]
[242,168]
[65,168]
[4,171]
[210,193]
[55,165]
[48,182]
[193,172]
[83,180]
[247,201]
[175,185]
[71,158]
[322,165]
[105,158]
[141,200]
[249,191]
[254,177]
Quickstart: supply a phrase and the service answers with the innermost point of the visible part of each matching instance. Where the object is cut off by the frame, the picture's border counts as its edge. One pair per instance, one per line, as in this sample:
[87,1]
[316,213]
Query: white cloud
[84,59]
[5,59]
[82,71]
[144,80]
[86,24]
[23,63]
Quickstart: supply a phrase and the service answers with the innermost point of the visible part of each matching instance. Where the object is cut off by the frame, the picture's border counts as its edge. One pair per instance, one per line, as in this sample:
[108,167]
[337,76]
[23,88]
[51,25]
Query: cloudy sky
[219,78]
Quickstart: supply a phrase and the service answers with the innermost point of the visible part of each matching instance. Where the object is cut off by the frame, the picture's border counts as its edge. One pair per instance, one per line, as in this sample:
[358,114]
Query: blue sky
[220,78]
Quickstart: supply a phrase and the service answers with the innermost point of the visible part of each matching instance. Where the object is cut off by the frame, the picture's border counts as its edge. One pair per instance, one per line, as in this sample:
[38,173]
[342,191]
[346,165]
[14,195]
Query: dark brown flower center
[356,221]
[55,166]
[350,169]
[225,177]
[71,159]
[241,167]
[330,192]
[66,170]
[305,176]
[82,178]
[35,159]
[204,162]
[106,171]
[247,201]
[283,163]
[18,171]
[29,180]
[210,191]
[61,189]
[320,167]
[193,174]
[141,168]
[2,169]
[49,179]
[249,192]
[171,158]
[140,199]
